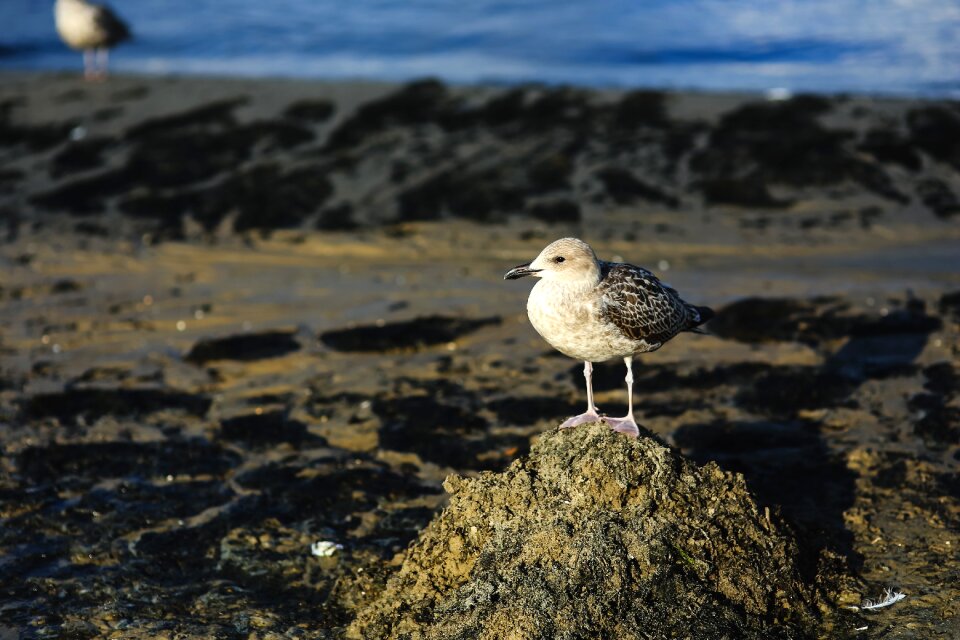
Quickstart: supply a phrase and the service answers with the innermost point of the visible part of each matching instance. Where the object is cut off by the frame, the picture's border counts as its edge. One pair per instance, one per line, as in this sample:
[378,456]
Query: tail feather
[703,315]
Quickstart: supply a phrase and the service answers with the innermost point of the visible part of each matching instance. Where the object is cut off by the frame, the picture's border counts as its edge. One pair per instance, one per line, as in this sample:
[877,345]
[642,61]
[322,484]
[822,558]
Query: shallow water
[897,47]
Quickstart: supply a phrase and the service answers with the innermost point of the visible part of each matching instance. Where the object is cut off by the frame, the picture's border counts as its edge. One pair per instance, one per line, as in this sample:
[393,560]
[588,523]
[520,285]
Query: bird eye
[559,259]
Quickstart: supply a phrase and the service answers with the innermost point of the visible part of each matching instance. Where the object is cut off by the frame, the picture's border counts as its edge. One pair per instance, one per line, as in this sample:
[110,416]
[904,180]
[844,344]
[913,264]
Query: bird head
[567,260]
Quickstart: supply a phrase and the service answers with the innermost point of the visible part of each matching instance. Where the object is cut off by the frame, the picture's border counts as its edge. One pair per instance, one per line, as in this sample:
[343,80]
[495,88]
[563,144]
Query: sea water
[902,47]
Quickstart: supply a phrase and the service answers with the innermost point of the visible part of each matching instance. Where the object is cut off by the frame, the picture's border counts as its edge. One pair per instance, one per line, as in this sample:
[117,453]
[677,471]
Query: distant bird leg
[103,59]
[626,424]
[89,64]
[590,415]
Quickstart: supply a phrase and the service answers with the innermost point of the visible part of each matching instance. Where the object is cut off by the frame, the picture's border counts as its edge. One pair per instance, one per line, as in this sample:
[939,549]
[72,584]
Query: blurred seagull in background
[594,311]
[91,28]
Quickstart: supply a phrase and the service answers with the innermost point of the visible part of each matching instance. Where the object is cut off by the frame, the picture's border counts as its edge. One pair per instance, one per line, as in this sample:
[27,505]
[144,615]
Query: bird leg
[89,64]
[103,55]
[591,414]
[626,424]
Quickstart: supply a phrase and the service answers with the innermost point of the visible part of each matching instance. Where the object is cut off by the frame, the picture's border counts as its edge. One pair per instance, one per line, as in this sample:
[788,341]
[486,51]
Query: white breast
[570,320]
[77,24]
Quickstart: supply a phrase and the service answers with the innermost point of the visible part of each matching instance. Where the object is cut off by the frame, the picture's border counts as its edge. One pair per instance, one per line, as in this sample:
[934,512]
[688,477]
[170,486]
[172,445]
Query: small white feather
[890,597]
[325,548]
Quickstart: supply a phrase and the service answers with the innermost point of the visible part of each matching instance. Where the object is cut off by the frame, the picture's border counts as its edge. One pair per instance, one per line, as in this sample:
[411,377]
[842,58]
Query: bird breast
[77,24]
[570,319]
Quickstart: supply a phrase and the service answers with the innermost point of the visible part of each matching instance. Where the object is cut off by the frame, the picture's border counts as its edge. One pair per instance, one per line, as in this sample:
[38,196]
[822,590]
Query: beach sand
[238,317]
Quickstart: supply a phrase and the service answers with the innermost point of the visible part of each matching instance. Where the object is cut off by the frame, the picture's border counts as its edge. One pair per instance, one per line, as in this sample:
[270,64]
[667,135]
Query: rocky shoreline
[274,154]
[249,327]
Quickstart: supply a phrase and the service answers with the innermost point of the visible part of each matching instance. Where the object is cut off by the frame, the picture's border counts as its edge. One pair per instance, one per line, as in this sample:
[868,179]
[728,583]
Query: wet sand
[229,334]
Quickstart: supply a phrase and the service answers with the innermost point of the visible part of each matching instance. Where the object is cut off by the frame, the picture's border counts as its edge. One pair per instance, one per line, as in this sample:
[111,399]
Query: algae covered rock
[596,535]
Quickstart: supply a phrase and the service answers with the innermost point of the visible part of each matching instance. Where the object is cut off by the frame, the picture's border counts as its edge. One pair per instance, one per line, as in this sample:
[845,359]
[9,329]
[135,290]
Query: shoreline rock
[596,535]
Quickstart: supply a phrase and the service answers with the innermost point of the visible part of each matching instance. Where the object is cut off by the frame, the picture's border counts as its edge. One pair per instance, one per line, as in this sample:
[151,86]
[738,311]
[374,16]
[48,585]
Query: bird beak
[520,271]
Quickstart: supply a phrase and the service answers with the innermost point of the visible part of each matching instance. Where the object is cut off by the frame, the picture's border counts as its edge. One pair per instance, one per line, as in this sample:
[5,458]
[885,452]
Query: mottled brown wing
[116,29]
[641,306]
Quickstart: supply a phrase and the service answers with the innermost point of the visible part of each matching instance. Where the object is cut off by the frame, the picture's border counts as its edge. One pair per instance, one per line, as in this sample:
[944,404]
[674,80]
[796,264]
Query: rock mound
[595,535]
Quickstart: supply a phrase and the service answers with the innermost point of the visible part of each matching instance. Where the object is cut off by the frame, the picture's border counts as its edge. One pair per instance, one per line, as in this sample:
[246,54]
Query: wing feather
[641,306]
[115,29]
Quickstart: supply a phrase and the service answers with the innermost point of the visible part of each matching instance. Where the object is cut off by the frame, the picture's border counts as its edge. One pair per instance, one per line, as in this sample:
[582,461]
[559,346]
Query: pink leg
[591,414]
[626,424]
[104,61]
[89,64]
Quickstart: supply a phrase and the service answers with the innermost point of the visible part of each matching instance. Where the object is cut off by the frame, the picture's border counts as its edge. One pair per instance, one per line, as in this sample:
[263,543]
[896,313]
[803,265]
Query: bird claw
[626,425]
[583,418]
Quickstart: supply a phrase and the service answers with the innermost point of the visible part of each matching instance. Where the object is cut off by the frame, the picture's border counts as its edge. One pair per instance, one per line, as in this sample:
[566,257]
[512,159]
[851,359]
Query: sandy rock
[596,535]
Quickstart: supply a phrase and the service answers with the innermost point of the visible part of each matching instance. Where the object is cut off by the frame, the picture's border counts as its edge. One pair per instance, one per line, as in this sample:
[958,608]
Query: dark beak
[519,272]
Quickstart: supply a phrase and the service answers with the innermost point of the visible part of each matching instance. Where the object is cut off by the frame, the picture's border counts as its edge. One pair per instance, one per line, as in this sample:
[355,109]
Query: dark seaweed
[243,347]
[408,334]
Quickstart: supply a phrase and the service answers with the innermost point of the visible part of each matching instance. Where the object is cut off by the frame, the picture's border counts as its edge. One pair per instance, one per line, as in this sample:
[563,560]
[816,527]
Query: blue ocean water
[905,47]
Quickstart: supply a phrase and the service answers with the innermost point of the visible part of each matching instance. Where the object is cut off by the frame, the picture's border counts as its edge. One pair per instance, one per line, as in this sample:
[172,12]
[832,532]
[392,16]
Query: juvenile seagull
[594,311]
[91,28]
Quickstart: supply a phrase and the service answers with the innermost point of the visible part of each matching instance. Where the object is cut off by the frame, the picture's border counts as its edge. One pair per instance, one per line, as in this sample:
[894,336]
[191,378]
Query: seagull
[91,28]
[593,311]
